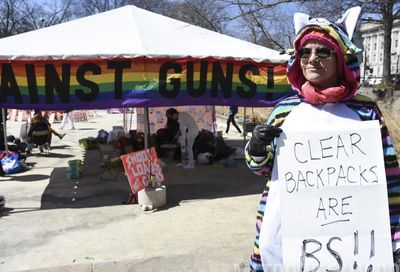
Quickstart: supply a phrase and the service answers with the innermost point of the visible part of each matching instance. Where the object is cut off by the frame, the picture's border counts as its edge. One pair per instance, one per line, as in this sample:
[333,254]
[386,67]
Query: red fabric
[328,95]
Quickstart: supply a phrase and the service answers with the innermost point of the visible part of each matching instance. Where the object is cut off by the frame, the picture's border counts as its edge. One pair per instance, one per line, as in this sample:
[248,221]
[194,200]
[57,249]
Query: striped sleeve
[368,110]
[263,165]
[392,178]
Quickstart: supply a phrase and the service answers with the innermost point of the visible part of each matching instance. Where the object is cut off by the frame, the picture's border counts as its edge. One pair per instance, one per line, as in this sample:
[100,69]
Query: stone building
[372,58]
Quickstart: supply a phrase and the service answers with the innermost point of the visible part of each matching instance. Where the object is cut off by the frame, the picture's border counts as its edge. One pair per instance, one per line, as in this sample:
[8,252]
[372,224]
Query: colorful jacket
[366,110]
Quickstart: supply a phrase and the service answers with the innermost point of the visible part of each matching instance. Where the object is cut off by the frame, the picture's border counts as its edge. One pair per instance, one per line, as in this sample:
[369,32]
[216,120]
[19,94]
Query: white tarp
[334,200]
[130,32]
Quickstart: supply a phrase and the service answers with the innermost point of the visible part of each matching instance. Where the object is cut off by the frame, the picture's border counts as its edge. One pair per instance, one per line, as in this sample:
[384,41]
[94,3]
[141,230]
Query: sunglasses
[321,53]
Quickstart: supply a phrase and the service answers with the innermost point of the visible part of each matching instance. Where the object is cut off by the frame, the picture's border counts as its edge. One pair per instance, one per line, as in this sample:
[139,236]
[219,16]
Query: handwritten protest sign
[137,167]
[334,200]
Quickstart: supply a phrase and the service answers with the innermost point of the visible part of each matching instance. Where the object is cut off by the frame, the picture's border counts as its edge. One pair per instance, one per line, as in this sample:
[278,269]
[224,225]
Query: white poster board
[334,200]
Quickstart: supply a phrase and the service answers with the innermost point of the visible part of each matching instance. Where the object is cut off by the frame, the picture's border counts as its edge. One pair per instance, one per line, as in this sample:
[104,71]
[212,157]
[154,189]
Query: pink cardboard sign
[137,167]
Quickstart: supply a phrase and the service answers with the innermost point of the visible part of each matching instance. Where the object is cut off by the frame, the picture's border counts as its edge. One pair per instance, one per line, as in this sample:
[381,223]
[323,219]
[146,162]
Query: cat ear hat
[338,37]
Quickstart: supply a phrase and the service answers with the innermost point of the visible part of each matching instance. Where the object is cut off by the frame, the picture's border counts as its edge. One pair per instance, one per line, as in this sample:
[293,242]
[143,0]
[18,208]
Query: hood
[340,32]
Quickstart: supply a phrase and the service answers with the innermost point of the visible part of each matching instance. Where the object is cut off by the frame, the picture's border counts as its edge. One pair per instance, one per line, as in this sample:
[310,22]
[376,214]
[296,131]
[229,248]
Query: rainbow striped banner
[139,82]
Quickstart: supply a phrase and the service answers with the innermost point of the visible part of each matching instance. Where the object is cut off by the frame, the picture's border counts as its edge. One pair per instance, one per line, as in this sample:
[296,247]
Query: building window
[382,45]
[395,43]
[381,57]
[374,57]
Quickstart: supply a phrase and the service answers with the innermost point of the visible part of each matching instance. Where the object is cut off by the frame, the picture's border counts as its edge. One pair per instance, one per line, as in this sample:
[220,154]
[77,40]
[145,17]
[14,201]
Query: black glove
[262,136]
[396,259]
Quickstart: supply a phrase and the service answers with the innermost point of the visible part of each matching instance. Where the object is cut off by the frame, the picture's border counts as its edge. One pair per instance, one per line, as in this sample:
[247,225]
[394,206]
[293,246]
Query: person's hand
[262,136]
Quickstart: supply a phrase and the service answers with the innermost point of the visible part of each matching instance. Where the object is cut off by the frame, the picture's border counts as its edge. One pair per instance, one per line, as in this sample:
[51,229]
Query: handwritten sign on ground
[137,167]
[334,200]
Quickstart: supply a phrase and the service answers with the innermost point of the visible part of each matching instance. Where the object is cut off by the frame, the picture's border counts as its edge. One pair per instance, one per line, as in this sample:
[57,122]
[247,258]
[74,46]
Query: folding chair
[40,138]
[111,161]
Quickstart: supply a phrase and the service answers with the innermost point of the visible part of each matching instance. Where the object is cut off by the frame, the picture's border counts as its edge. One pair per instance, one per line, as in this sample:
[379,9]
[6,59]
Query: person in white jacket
[189,131]
[68,117]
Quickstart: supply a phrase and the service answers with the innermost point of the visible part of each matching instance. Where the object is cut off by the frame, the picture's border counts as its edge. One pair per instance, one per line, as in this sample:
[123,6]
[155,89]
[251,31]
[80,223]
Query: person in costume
[324,72]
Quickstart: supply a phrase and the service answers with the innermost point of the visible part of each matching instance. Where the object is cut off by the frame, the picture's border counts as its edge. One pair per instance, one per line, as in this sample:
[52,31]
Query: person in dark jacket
[233,110]
[39,122]
[172,127]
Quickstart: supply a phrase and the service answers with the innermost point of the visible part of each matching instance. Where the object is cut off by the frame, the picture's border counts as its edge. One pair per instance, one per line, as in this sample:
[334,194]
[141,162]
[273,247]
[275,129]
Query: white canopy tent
[124,33]
[130,32]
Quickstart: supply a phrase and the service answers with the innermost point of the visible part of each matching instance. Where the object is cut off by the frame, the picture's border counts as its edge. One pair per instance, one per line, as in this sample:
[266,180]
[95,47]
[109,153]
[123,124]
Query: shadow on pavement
[8,211]
[28,178]
[87,191]
[54,155]
[210,182]
[202,182]
[87,128]
[54,147]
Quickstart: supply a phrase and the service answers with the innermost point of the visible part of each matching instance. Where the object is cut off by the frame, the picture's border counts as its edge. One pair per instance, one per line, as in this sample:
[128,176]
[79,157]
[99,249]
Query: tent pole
[130,120]
[5,129]
[214,120]
[124,120]
[244,126]
[146,128]
[146,139]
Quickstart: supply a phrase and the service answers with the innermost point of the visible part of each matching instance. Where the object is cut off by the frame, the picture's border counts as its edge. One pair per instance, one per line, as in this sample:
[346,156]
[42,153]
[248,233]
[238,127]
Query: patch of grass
[392,123]
[259,115]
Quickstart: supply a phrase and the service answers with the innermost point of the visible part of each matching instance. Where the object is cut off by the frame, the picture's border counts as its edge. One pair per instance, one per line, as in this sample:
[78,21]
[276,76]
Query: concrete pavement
[52,223]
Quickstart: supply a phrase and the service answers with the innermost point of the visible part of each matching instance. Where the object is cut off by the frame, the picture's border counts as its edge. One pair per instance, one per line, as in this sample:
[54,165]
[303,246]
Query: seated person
[41,123]
[169,135]
[172,131]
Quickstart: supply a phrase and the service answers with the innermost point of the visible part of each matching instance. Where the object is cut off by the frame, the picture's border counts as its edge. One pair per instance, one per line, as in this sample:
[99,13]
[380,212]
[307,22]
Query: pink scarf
[328,95]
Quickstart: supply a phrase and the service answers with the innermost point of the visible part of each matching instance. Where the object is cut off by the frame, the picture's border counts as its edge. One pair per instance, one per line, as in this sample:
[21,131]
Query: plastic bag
[11,164]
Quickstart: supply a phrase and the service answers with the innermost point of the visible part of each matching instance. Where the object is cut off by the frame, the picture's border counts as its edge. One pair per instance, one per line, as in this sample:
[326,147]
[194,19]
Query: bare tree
[89,7]
[383,12]
[330,10]
[12,21]
[204,13]
[17,16]
[48,14]
[267,23]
